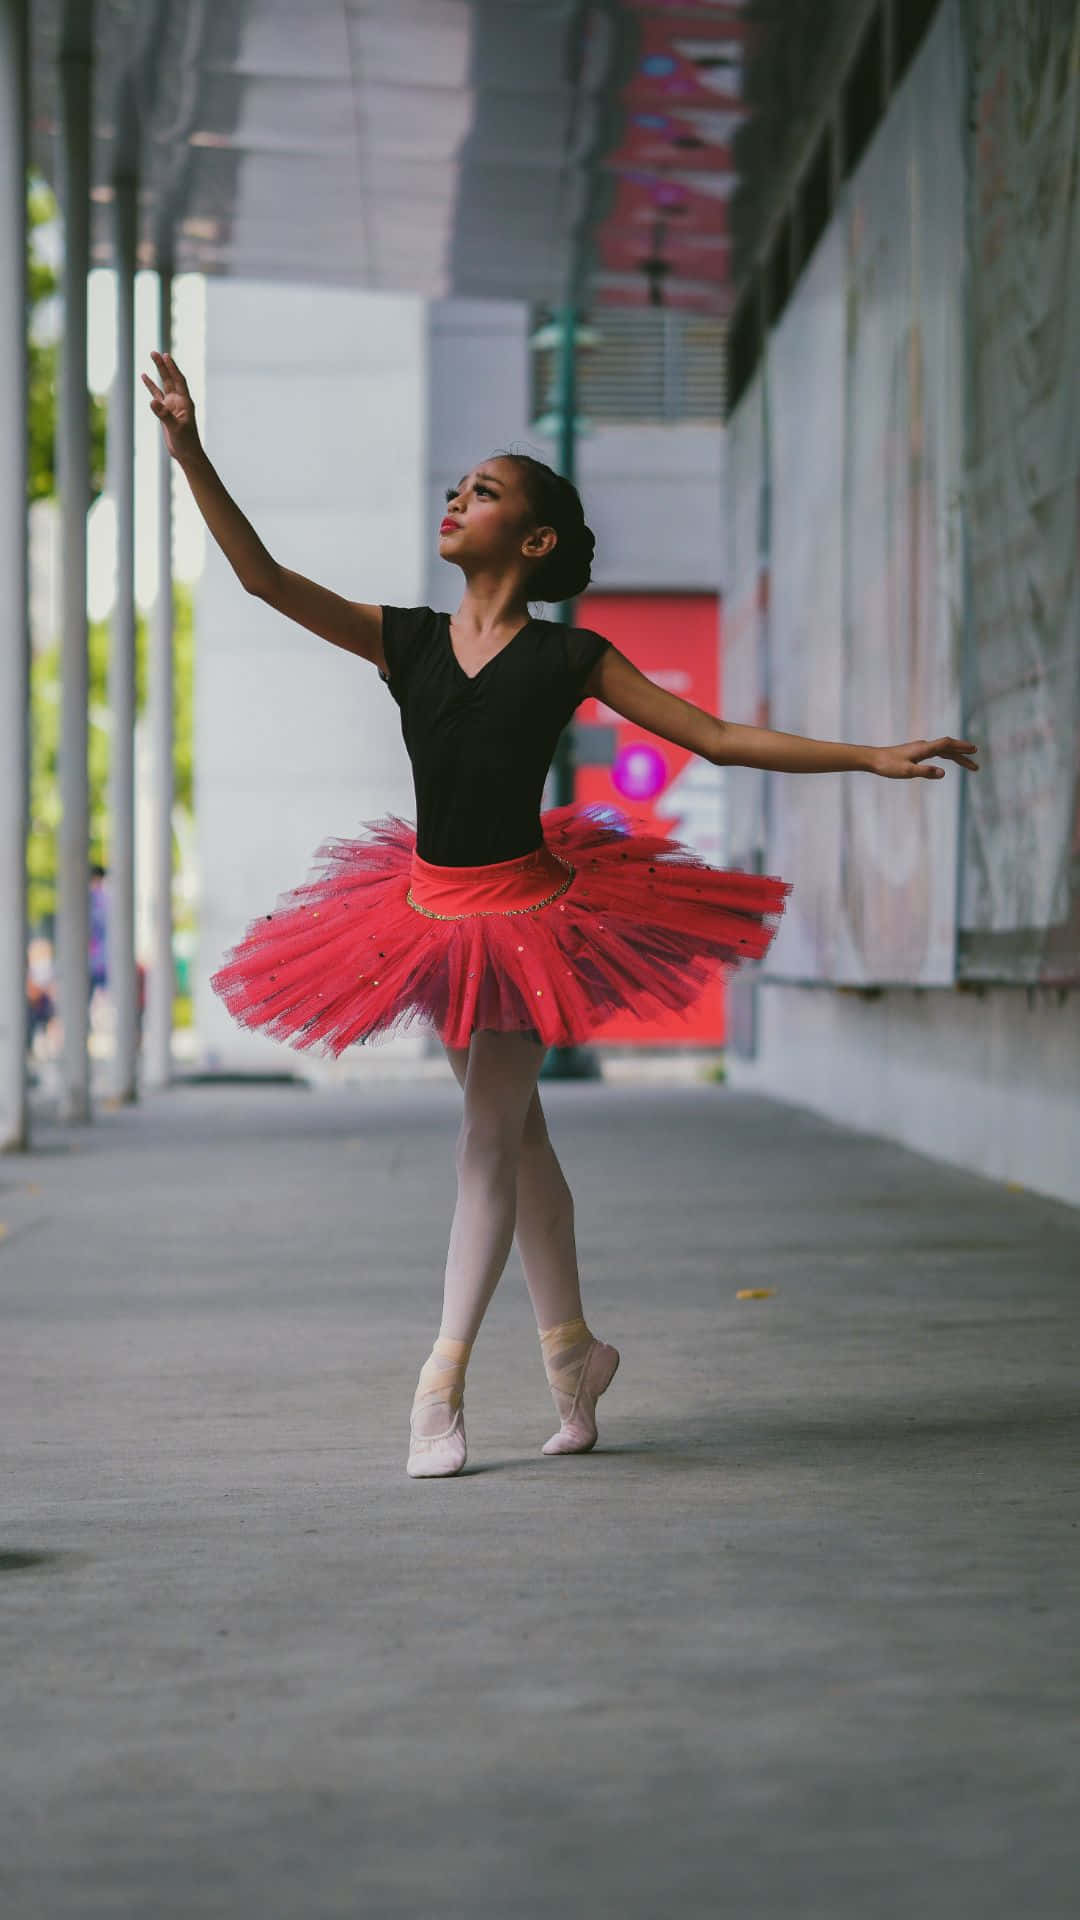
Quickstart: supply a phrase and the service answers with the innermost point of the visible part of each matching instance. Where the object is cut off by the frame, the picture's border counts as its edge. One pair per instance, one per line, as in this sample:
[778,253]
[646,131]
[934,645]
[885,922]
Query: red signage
[676,639]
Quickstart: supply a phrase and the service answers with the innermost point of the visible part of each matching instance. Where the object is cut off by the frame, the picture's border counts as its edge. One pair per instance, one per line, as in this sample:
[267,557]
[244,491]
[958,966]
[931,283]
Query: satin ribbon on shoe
[579,1369]
[441,1385]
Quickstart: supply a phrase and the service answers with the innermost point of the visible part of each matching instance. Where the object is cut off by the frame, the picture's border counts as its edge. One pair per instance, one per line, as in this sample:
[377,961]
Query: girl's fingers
[165,372]
[170,372]
[159,402]
[947,749]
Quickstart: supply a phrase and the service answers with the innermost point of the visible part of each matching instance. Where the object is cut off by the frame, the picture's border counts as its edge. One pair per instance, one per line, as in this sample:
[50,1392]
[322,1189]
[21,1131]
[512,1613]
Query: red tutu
[605,916]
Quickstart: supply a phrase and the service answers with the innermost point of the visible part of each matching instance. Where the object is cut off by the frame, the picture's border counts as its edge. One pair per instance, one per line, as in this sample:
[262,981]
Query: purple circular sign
[639,771]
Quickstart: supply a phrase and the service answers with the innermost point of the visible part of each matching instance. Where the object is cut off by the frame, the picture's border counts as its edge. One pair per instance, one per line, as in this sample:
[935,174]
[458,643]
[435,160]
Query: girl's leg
[499,1077]
[576,1364]
[500,1081]
[545,1239]
[544,1227]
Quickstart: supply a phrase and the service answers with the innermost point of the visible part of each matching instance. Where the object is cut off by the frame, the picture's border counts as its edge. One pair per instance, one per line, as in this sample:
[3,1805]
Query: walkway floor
[798,1639]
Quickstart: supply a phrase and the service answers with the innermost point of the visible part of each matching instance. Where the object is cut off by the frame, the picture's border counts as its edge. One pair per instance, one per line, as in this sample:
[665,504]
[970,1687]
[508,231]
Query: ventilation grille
[651,363]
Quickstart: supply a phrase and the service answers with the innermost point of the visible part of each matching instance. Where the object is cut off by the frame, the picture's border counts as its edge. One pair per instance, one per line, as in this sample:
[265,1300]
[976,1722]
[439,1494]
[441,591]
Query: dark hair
[564,572]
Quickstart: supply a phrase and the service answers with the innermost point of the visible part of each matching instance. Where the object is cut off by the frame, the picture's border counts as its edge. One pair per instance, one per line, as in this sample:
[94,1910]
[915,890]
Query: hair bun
[565,572]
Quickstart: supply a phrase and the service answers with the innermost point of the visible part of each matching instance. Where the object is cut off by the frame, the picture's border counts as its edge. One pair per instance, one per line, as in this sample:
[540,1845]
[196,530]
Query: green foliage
[44,787]
[43,366]
[183,697]
[45,743]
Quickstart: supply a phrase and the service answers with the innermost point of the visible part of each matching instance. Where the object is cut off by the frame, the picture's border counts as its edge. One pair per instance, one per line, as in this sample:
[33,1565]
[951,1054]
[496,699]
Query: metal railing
[642,364]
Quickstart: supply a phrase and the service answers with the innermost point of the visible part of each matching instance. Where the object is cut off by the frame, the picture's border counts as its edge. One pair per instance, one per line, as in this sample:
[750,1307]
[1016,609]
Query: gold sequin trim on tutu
[471,912]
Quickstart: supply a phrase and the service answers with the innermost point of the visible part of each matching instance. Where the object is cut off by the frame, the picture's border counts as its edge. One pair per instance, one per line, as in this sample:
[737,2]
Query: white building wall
[653,496]
[315,417]
[478,402]
[984,1079]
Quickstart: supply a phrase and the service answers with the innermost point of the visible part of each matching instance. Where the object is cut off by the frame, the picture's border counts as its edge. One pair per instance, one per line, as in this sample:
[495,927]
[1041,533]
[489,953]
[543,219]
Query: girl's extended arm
[353,624]
[619,684]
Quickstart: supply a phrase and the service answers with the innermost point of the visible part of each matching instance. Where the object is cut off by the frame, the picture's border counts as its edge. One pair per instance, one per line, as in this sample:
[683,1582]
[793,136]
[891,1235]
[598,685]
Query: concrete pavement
[798,1638]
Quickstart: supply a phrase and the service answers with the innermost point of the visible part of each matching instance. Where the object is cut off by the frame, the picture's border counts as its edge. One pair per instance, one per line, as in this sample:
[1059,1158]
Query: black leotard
[481,745]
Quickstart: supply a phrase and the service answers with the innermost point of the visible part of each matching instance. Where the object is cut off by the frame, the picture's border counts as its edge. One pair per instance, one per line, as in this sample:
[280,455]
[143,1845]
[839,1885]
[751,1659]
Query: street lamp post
[570,1062]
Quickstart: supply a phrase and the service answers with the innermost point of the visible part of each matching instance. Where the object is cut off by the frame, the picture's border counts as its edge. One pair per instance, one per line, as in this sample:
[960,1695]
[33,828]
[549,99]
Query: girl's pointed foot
[432,1454]
[577,1379]
[437,1421]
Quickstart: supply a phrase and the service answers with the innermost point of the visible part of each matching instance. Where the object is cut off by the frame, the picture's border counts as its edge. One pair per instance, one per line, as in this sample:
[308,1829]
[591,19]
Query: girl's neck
[490,607]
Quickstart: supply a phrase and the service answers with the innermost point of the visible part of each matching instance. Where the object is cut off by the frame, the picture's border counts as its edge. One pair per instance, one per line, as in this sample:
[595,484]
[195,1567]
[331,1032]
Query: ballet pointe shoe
[441,1384]
[433,1455]
[577,1433]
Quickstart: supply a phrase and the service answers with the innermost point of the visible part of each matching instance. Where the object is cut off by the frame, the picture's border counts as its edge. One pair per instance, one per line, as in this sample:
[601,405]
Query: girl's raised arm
[622,686]
[355,625]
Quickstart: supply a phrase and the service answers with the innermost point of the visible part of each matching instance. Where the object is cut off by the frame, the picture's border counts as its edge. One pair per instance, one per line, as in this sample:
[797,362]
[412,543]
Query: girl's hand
[174,407]
[902,763]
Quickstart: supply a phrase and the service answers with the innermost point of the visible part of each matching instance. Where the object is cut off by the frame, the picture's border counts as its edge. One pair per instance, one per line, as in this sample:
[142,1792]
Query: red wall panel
[676,639]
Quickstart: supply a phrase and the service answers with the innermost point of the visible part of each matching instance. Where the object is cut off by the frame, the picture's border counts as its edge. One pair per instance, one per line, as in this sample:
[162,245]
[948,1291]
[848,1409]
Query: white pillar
[121,925]
[73,463]
[14,618]
[157,1070]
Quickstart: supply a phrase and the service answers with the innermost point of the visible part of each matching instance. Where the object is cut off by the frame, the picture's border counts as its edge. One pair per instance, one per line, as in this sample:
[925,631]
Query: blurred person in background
[99,927]
[40,997]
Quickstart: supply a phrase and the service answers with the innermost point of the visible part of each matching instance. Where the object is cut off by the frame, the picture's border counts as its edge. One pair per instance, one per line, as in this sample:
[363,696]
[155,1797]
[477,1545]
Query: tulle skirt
[607,915]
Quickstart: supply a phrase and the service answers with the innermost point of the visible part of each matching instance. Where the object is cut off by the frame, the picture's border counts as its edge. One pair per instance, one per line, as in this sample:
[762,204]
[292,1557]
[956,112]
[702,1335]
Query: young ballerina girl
[502,929]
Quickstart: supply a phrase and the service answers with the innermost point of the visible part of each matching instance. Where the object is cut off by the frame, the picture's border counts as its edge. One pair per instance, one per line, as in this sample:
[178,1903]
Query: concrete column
[73,462]
[888,52]
[157,1069]
[795,240]
[121,930]
[837,151]
[14,616]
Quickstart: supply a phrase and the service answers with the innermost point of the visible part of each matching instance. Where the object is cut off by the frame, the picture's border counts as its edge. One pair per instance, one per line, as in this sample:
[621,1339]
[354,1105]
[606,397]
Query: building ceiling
[472,147]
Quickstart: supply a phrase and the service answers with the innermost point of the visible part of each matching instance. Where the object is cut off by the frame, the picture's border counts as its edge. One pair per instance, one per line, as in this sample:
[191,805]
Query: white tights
[510,1185]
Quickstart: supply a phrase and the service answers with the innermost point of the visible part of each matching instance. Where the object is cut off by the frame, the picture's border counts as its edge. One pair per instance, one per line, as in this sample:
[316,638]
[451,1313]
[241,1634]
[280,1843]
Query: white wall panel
[315,417]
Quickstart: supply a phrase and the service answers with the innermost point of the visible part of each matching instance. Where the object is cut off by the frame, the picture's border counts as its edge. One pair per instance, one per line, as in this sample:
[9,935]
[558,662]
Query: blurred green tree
[44,357]
[45,740]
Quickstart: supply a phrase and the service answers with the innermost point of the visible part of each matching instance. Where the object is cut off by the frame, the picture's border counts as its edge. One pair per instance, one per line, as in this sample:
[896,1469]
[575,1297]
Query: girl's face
[489,524]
